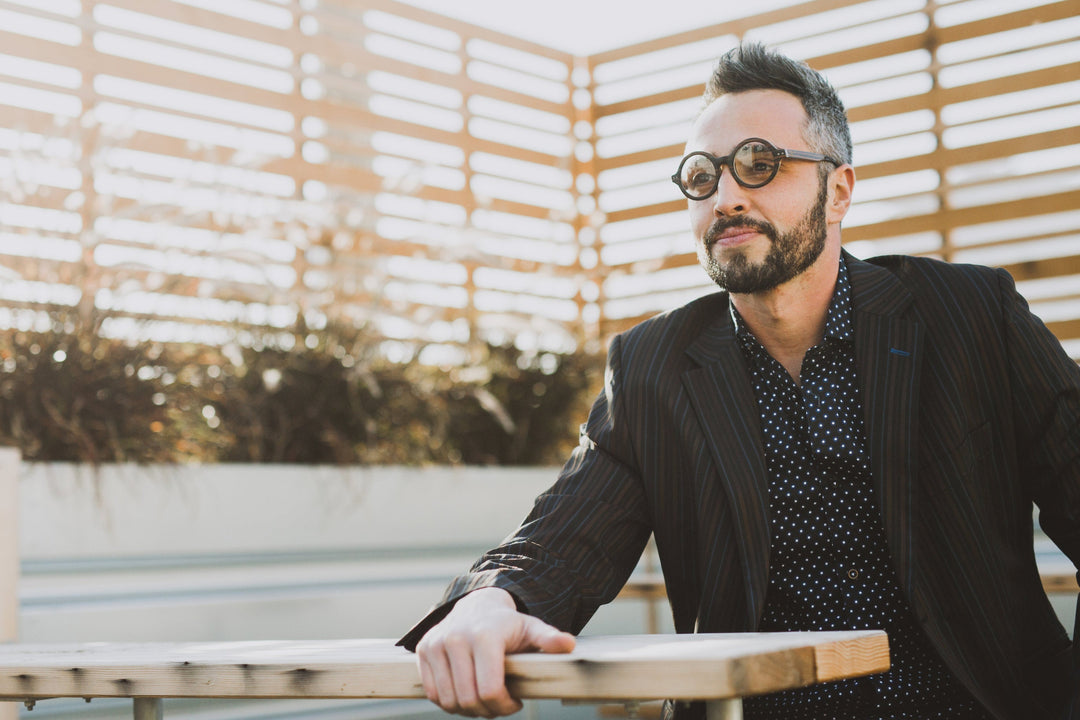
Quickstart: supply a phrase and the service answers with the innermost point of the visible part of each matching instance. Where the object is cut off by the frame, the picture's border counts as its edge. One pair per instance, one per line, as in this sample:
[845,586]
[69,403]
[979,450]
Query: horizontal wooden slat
[1052,267]
[43,270]
[464,29]
[1011,83]
[647,210]
[41,50]
[1066,329]
[642,156]
[200,17]
[684,93]
[952,157]
[23,120]
[953,218]
[669,262]
[1050,12]
[145,72]
[868,52]
[736,26]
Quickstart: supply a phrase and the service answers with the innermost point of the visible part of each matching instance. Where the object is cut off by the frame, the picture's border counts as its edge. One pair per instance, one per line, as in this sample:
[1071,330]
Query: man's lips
[734,236]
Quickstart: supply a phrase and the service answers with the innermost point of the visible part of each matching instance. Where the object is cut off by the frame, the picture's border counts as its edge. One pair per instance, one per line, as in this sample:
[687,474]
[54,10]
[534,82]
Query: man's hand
[462,659]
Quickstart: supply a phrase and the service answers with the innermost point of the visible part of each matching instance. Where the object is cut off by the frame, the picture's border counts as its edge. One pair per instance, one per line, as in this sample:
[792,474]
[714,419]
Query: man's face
[754,239]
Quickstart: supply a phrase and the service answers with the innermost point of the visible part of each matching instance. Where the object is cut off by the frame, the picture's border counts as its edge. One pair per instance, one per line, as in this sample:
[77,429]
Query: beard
[789,254]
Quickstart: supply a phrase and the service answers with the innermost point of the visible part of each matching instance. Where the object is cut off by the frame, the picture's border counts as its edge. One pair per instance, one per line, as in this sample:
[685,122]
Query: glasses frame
[779,154]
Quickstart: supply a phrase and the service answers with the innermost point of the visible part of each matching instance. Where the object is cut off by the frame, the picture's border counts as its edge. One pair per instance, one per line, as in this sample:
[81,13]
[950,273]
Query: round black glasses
[754,162]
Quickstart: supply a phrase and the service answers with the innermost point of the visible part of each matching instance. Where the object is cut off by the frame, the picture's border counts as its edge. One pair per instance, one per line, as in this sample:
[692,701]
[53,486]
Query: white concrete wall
[235,552]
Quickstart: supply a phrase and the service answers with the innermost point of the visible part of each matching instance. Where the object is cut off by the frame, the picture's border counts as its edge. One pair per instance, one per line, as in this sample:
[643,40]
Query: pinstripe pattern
[972,412]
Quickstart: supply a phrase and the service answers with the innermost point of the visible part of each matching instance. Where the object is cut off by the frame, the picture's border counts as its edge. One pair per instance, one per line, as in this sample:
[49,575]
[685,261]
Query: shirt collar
[837,318]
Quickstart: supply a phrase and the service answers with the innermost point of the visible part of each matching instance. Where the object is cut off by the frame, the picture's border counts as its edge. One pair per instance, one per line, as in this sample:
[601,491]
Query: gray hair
[752,66]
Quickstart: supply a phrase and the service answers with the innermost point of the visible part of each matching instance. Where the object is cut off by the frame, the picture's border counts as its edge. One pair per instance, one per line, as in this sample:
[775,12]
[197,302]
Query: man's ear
[841,184]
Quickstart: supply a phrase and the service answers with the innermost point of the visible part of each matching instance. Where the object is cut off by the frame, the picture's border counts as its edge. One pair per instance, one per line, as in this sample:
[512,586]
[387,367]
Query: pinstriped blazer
[972,412]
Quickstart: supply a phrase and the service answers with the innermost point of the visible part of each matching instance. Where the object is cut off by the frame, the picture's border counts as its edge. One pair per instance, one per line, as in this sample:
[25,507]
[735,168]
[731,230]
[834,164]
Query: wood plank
[1009,84]
[200,17]
[947,219]
[465,29]
[644,211]
[614,667]
[647,101]
[41,50]
[736,26]
[1060,583]
[1061,10]
[668,152]
[868,52]
[1050,267]
[670,262]
[100,63]
[888,108]
[43,13]
[1065,329]
[952,157]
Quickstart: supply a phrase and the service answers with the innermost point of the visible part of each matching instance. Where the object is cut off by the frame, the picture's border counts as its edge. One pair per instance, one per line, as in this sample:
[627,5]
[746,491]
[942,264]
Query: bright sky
[584,27]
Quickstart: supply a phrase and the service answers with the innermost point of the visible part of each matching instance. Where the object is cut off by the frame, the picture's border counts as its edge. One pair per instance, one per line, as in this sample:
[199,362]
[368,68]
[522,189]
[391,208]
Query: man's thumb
[545,638]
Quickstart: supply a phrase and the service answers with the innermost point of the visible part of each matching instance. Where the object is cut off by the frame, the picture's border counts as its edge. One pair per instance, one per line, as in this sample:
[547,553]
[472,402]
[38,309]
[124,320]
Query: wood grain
[642,667]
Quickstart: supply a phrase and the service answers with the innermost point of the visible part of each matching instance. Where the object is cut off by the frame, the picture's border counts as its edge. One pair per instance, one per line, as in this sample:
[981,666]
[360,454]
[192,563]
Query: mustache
[717,228]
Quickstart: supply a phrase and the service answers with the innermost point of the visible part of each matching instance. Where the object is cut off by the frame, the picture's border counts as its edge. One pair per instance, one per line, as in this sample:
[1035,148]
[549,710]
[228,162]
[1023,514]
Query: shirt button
[853,574]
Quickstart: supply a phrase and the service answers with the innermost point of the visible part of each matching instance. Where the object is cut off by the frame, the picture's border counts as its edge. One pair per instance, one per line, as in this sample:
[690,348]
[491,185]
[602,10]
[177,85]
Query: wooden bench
[719,669]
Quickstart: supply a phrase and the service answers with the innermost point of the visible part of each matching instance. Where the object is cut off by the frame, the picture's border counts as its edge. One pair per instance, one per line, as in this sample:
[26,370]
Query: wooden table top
[629,667]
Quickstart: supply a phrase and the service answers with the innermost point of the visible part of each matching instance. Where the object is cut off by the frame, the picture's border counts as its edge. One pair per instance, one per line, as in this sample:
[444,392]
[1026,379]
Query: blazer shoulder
[921,273]
[670,333]
[949,298]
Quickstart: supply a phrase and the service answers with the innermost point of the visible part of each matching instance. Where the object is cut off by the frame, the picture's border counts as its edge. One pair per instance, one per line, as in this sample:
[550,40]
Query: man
[828,444]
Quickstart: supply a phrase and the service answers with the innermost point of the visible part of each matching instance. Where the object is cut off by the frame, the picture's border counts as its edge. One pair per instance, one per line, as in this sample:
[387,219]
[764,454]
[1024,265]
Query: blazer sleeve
[584,535]
[1046,408]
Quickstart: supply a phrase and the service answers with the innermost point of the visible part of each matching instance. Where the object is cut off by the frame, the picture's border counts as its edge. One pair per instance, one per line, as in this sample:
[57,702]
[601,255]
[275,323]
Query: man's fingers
[489,659]
[439,680]
[462,659]
[459,651]
[427,679]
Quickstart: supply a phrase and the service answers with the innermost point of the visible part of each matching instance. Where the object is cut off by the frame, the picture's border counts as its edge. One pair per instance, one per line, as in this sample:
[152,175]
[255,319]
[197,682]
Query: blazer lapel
[723,400]
[888,356]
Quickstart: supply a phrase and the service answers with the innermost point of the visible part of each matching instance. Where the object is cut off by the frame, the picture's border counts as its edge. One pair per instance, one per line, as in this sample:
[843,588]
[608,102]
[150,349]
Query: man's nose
[731,198]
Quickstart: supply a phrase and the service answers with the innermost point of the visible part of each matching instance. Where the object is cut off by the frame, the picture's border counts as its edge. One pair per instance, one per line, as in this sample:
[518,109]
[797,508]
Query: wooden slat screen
[219,171]
[966,119]
[233,171]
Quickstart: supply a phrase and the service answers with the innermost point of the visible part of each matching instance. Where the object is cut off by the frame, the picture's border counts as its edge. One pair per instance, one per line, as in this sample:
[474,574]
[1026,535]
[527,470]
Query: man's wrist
[490,596]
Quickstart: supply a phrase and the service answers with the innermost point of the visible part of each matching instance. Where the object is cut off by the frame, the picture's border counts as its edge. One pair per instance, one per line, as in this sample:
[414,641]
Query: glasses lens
[698,176]
[755,163]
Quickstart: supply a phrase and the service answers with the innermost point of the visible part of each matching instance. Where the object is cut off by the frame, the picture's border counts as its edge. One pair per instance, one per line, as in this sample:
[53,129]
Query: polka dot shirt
[829,565]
